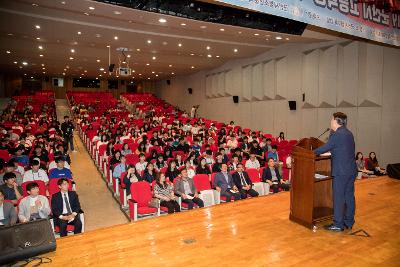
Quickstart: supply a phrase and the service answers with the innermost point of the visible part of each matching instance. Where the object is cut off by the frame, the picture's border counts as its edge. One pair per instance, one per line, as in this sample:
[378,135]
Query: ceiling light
[278,38]
[42,65]
[287,38]
[128,55]
[183,24]
[154,58]
[101,69]
[91,8]
[235,50]
[37,26]
[10,34]
[37,38]
[15,62]
[34,4]
[147,64]
[40,47]
[71,58]
[209,55]
[133,70]
[65,69]
[222,29]
[192,54]
[40,55]
[162,20]
[80,77]
[44,72]
[43,68]
[115,37]
[72,50]
[170,66]
[87,14]
[239,32]
[203,26]
[256,34]
[104,72]
[99,75]
[216,56]
[85,71]
[117,12]
[149,41]
[8,52]
[192,67]
[123,62]
[108,46]
[24,63]
[156,75]
[63,2]
[172,73]
[20,67]
[164,43]
[31,77]
[98,35]
[180,45]
[138,49]
[79,33]
[208,48]
[98,60]
[153,72]
[140,74]
[148,78]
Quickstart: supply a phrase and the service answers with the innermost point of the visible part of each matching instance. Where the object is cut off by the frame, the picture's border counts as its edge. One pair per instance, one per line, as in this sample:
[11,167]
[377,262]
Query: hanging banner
[346,16]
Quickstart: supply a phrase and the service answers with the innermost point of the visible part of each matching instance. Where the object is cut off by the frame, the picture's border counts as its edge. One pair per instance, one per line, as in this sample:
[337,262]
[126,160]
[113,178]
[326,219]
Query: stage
[252,232]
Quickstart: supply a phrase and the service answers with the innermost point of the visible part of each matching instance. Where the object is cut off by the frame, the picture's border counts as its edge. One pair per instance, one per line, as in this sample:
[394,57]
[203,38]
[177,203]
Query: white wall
[357,78]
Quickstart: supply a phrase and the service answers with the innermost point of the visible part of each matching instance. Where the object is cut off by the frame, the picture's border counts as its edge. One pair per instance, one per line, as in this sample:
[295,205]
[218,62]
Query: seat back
[141,193]
[201,182]
[53,186]
[41,184]
[254,175]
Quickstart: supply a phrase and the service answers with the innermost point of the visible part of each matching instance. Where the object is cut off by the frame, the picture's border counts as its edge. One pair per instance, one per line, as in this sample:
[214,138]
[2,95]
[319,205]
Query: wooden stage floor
[253,232]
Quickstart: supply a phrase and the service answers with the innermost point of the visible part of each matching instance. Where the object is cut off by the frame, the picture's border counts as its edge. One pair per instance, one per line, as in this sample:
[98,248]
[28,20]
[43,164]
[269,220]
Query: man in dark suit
[344,172]
[224,184]
[272,176]
[242,181]
[66,208]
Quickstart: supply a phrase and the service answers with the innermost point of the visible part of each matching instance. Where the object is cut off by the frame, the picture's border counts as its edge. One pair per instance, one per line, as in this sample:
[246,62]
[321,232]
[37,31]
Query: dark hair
[358,154]
[62,180]
[375,160]
[239,164]
[30,186]
[274,147]
[141,155]
[270,159]
[65,117]
[340,118]
[58,159]
[2,192]
[9,175]
[10,164]
[35,162]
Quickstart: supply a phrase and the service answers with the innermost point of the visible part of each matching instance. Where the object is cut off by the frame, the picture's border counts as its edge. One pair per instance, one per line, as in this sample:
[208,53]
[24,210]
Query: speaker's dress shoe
[333,228]
[348,227]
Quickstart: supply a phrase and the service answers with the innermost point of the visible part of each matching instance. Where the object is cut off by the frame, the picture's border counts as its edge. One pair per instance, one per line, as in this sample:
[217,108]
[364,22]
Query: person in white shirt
[252,162]
[142,164]
[34,206]
[53,165]
[35,173]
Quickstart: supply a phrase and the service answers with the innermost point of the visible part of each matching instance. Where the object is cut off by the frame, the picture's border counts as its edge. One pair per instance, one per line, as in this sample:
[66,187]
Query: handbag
[154,203]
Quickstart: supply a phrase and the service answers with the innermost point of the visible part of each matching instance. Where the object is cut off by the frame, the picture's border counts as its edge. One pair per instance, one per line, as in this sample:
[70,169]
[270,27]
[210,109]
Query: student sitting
[165,193]
[272,176]
[34,206]
[373,165]
[120,168]
[35,173]
[362,171]
[131,177]
[60,171]
[11,190]
[9,216]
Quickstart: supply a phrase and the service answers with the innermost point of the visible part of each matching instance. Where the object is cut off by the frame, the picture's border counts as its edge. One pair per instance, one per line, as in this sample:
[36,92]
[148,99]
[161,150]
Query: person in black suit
[65,207]
[242,181]
[344,172]
[272,176]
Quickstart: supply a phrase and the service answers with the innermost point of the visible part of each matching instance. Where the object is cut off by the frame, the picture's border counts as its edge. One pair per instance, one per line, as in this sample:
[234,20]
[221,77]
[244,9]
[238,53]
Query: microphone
[327,130]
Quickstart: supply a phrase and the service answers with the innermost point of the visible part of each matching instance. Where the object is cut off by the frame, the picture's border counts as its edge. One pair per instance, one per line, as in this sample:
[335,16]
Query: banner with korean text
[346,16]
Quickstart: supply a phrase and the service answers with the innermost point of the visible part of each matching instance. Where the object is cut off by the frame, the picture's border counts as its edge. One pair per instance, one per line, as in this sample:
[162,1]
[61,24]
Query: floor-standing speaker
[22,241]
[393,170]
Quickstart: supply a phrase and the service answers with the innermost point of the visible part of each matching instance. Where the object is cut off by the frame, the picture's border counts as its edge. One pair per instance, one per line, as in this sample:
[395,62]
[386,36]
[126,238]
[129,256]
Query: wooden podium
[310,198]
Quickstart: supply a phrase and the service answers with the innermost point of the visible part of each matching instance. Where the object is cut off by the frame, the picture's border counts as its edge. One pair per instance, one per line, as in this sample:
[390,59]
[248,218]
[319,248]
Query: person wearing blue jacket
[344,172]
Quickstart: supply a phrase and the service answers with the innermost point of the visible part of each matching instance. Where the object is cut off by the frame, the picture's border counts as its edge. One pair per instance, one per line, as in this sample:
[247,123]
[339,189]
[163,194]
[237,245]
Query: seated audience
[20,157]
[142,164]
[273,153]
[190,169]
[272,176]
[120,168]
[373,165]
[224,184]
[11,190]
[172,171]
[165,193]
[160,163]
[10,168]
[65,207]
[8,216]
[35,173]
[34,206]
[149,174]
[218,163]
[53,163]
[242,181]
[252,162]
[60,171]
[233,164]
[126,150]
[362,171]
[186,189]
[131,176]
[203,167]
[115,159]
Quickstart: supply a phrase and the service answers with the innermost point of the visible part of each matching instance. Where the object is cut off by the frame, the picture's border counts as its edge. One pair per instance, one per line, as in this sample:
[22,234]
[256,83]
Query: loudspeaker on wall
[169,82]
[292,105]
[190,91]
[235,99]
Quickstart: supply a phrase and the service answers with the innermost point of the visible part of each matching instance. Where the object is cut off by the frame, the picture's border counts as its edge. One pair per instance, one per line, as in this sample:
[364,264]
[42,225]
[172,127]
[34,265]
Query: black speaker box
[22,241]
[169,82]
[235,99]
[393,170]
[292,105]
[190,91]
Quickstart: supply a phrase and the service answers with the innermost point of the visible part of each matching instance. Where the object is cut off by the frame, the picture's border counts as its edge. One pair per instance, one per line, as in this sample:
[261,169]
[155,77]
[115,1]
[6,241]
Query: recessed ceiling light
[91,8]
[98,60]
[191,54]
[37,38]
[140,74]
[79,33]
[148,78]
[98,35]
[8,52]
[147,64]
[34,4]
[101,69]
[192,67]
[104,72]
[43,68]
[115,37]
[99,75]
[154,58]
[72,50]
[170,65]
[42,65]
[239,32]
[63,2]
[20,67]
[153,72]
[203,26]
[278,38]
[180,45]
[208,48]
[80,77]
[24,63]
[164,43]
[138,49]
[10,34]
[40,47]
[156,75]
[149,41]
[40,55]
[44,72]
[108,46]
[256,34]
[287,38]
[222,29]
[172,73]
[85,71]
[31,77]
[71,58]
[15,62]
[209,55]
[128,55]
[117,12]
[162,20]
[235,50]
[87,14]
[97,78]
[37,26]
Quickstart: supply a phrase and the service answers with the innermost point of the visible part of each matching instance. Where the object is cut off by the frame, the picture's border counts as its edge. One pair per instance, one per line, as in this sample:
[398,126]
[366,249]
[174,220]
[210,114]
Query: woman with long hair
[373,165]
[362,171]
[172,171]
[165,193]
[130,177]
